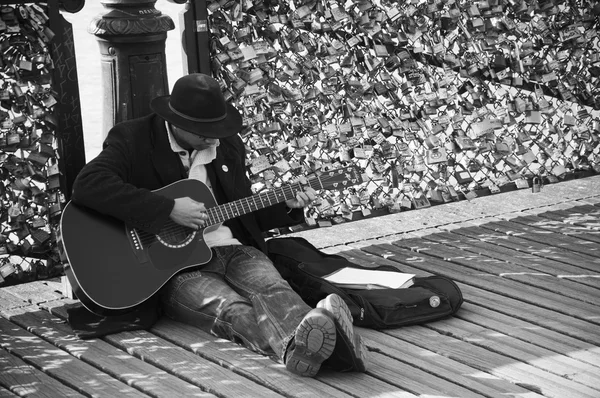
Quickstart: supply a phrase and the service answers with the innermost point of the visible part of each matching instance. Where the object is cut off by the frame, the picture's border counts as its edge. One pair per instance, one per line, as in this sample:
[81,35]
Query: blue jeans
[240,296]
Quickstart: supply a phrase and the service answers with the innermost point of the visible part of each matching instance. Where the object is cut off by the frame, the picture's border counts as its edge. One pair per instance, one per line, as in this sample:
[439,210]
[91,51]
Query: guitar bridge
[136,244]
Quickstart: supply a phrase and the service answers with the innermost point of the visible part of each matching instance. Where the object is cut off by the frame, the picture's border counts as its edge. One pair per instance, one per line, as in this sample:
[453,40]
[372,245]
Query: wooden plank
[522,374]
[507,270]
[67,369]
[579,207]
[539,316]
[584,215]
[540,357]
[522,245]
[187,366]
[413,262]
[473,276]
[256,367]
[4,393]
[529,262]
[547,248]
[103,356]
[22,379]
[9,300]
[532,333]
[583,208]
[563,286]
[419,382]
[34,292]
[525,235]
[567,218]
[444,246]
[448,369]
[363,385]
[560,227]
[592,201]
[458,238]
[583,249]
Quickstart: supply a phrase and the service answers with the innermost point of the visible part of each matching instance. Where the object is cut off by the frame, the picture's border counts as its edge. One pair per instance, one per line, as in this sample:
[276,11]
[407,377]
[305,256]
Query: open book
[357,278]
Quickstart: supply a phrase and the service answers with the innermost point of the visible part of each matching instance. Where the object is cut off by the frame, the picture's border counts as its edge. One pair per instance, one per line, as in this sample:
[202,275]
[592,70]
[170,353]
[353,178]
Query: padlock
[536,185]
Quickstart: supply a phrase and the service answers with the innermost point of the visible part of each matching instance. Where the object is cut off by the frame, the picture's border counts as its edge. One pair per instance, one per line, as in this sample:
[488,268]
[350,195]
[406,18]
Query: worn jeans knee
[205,300]
[278,307]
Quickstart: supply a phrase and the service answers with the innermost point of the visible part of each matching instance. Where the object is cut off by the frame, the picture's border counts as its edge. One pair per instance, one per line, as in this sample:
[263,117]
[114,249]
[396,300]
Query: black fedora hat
[197,105]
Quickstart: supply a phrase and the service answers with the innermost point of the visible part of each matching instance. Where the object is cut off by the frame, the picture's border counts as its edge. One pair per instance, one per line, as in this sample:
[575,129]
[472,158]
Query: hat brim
[231,125]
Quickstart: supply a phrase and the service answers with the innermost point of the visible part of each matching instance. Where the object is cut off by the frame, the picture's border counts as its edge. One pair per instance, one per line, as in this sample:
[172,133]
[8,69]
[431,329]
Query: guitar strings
[236,208]
[224,212]
[175,233]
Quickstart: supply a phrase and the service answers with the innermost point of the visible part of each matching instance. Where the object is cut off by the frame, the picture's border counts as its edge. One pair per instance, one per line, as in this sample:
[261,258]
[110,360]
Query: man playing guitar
[237,293]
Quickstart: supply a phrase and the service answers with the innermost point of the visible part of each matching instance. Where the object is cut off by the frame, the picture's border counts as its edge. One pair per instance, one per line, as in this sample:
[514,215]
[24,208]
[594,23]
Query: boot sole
[343,321]
[315,340]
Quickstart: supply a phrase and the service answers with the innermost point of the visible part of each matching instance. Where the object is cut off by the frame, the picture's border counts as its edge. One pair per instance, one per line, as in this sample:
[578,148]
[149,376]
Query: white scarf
[196,162]
[199,160]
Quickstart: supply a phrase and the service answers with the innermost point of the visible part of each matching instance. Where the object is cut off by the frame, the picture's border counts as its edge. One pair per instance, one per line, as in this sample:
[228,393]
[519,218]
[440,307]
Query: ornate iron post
[131,35]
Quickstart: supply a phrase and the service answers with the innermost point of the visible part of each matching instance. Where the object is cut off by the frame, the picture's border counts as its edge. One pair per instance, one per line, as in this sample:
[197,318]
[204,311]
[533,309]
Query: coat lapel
[226,169]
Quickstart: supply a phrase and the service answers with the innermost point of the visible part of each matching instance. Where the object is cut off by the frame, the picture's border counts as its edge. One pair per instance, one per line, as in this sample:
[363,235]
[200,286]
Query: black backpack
[303,266]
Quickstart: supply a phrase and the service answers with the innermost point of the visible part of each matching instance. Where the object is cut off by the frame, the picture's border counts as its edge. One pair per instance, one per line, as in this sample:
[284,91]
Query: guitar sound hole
[175,235]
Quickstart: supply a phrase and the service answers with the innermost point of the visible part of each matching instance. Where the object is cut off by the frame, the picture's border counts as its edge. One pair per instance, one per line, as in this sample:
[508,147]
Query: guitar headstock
[339,178]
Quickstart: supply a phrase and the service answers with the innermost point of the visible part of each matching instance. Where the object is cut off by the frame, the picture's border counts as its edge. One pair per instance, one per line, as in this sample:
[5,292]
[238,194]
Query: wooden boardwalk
[528,266]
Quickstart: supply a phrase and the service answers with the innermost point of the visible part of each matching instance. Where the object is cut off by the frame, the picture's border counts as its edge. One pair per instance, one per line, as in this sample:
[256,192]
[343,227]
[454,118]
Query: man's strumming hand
[189,213]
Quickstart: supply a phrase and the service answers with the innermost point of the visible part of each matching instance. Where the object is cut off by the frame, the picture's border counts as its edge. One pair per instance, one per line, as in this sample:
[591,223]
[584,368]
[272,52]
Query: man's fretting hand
[304,197]
[189,213]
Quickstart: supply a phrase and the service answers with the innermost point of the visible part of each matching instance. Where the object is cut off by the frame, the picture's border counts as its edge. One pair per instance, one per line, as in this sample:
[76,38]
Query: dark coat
[137,159]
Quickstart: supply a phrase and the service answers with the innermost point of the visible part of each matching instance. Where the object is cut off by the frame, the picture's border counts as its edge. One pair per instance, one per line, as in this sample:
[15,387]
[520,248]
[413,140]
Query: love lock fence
[434,100]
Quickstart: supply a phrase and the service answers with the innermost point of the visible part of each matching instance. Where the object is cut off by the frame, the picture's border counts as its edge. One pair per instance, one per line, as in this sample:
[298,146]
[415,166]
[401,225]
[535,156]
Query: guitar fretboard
[221,213]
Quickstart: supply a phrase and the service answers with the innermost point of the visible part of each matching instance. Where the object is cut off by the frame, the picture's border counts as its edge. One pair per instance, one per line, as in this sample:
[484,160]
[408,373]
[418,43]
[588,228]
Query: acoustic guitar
[113,268]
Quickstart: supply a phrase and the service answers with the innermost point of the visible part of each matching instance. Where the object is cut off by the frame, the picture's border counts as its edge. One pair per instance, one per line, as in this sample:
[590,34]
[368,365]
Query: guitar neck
[227,211]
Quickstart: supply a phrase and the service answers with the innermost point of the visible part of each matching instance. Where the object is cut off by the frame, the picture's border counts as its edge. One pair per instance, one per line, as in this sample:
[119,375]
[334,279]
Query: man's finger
[311,194]
[300,196]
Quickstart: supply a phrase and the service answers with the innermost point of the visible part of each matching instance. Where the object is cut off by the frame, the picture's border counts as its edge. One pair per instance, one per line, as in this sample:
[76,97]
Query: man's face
[192,141]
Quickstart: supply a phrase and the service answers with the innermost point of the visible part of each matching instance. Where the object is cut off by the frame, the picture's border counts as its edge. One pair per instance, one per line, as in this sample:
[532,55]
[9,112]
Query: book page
[357,276]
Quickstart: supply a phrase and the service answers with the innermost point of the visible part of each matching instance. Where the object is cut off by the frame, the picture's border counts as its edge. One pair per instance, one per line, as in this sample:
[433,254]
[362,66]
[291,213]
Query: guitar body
[113,268]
